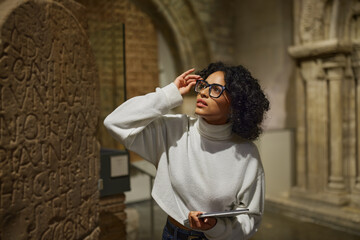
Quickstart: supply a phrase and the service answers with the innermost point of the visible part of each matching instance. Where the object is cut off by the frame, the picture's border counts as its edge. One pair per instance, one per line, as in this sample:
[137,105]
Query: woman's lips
[201,103]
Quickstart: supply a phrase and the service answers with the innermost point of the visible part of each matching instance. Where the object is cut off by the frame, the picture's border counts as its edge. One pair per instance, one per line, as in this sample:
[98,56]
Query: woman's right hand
[201,223]
[186,81]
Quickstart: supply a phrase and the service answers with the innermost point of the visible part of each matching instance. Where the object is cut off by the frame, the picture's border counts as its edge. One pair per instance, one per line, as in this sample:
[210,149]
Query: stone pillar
[49,155]
[335,74]
[356,192]
[320,144]
[354,35]
[316,123]
[326,40]
[356,66]
[301,167]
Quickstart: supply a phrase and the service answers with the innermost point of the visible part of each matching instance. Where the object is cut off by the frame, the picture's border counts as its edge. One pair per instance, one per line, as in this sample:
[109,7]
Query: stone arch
[349,26]
[182,29]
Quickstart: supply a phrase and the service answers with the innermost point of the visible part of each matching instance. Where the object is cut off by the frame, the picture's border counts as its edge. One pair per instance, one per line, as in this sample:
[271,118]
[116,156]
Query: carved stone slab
[49,155]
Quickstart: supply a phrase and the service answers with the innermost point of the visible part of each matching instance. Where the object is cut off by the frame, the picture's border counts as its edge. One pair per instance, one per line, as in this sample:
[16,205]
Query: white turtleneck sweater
[200,167]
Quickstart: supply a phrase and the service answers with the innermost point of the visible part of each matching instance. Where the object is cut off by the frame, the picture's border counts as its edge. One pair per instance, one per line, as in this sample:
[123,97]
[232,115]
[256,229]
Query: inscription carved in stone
[311,23]
[49,155]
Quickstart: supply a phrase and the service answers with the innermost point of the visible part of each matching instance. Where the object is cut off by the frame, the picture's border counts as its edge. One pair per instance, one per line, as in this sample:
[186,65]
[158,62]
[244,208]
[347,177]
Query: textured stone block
[48,115]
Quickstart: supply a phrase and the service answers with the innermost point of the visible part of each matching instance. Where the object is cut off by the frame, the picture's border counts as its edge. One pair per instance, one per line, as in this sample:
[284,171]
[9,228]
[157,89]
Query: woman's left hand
[201,223]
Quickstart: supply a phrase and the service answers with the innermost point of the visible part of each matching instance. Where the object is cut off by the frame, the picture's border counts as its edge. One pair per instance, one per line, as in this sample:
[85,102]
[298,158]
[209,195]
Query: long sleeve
[194,161]
[137,123]
[244,225]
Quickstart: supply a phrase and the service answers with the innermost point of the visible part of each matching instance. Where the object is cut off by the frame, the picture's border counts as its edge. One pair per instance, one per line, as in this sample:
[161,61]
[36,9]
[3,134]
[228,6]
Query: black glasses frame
[210,86]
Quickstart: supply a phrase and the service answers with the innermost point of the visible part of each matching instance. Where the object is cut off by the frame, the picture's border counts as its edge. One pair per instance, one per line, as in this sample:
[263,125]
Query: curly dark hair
[248,102]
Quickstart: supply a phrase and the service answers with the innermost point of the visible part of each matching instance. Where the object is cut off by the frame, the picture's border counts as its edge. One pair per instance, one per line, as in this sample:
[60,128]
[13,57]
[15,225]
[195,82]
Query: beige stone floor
[274,226]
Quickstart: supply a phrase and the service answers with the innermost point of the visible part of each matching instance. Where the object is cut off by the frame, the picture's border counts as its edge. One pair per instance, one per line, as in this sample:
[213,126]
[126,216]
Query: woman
[204,164]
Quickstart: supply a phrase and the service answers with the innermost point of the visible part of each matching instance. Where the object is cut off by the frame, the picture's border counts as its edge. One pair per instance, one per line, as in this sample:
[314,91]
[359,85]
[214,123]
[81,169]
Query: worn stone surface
[327,173]
[263,31]
[119,32]
[181,26]
[327,84]
[110,24]
[113,217]
[191,40]
[49,164]
[217,19]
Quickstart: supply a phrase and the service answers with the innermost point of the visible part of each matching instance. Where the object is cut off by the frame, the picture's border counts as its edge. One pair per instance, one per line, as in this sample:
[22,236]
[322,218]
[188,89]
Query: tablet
[231,213]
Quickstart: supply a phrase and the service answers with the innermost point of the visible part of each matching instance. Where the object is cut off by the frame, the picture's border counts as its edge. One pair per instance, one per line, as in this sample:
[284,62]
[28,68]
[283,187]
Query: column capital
[320,49]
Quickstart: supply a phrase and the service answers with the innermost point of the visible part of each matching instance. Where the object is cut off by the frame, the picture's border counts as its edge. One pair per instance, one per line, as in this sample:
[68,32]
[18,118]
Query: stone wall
[218,21]
[263,33]
[49,154]
[106,22]
[327,186]
[326,80]
[182,29]
[124,42]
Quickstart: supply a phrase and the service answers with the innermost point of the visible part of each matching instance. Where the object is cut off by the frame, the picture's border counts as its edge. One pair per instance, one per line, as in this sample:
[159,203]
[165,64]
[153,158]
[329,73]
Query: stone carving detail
[317,19]
[49,156]
[355,59]
[328,119]
[327,87]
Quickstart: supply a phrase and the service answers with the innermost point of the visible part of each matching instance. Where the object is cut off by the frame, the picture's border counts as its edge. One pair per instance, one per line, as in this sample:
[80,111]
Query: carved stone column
[326,40]
[356,192]
[335,68]
[320,158]
[356,67]
[354,35]
[301,166]
[317,133]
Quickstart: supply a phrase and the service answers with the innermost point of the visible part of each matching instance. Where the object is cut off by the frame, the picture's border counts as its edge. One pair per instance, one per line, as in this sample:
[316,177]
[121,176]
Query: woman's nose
[204,92]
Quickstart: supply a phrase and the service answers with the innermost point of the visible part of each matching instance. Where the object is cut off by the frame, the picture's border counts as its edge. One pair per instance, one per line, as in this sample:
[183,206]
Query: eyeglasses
[215,90]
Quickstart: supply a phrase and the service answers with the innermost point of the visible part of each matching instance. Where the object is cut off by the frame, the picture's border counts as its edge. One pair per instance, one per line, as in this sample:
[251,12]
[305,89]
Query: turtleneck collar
[214,132]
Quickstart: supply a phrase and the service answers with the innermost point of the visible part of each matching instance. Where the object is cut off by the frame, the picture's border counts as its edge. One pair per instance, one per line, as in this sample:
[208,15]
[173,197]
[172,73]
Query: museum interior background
[64,65]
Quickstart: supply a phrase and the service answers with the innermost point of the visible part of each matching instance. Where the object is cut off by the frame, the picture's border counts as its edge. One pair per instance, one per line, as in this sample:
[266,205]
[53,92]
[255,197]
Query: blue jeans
[172,232]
